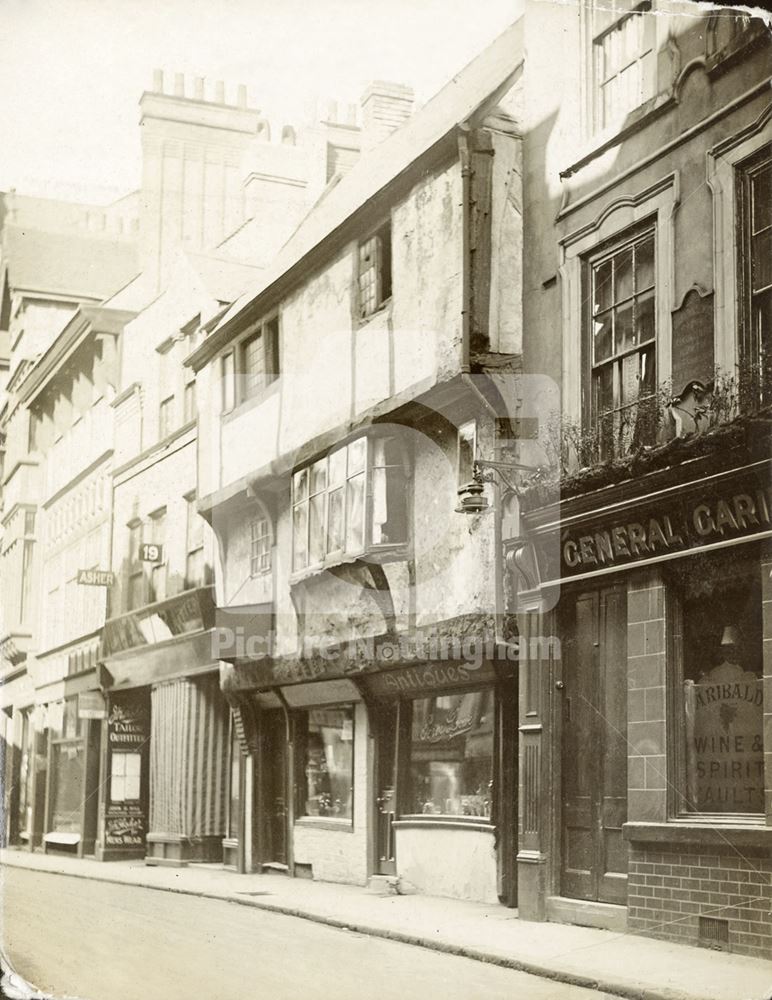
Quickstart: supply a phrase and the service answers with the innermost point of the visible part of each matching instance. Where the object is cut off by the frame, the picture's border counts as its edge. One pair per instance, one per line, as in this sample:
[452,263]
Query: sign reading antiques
[96,577]
[128,735]
[725,748]
[654,528]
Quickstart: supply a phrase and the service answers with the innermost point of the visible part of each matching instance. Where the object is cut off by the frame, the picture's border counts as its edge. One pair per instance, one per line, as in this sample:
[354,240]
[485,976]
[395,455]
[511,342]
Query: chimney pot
[199,88]
[219,92]
[179,84]
[158,81]
[242,95]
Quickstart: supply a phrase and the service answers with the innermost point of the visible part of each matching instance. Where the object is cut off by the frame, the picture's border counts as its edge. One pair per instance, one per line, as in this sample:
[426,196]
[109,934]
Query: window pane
[335,523]
[644,318]
[300,485]
[623,331]
[722,689]
[329,762]
[319,476]
[761,266]
[357,452]
[644,264]
[316,533]
[337,466]
[451,754]
[602,340]
[623,275]
[355,513]
[602,287]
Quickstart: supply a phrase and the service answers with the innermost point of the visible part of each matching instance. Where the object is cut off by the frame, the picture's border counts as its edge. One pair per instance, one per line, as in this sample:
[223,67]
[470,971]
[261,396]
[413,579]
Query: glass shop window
[718,636]
[451,754]
[125,776]
[327,782]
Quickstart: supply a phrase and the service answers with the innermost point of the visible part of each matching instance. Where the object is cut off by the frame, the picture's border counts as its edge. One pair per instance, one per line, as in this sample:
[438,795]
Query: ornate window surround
[722,161]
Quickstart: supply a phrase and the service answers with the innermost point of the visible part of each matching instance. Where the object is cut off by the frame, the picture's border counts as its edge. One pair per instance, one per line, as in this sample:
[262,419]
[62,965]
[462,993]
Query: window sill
[728,831]
[601,141]
[422,821]
[251,402]
[384,307]
[323,823]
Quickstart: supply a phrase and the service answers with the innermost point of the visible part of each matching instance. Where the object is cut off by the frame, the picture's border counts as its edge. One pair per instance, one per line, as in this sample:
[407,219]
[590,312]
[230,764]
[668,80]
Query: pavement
[625,965]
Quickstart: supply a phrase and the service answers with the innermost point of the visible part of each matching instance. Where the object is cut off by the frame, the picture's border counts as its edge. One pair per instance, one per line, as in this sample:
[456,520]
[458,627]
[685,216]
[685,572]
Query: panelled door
[594,745]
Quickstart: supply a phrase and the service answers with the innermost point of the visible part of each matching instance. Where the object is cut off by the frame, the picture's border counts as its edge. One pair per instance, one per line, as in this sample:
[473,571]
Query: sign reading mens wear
[128,736]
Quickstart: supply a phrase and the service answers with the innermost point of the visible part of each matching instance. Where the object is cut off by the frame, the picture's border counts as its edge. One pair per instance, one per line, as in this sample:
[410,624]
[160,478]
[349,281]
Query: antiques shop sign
[655,528]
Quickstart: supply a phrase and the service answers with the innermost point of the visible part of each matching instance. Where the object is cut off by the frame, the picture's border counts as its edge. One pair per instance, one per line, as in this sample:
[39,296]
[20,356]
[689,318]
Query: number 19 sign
[150,552]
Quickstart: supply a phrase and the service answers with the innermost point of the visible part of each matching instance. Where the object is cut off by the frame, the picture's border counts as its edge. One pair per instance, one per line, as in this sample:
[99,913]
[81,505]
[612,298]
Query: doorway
[594,745]
[272,796]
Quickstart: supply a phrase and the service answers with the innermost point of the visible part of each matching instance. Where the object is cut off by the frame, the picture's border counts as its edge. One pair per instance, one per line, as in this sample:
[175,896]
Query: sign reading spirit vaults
[725,755]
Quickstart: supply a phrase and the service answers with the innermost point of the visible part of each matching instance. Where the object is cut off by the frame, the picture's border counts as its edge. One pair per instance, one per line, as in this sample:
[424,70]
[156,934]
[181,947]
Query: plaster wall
[346,365]
[163,480]
[457,863]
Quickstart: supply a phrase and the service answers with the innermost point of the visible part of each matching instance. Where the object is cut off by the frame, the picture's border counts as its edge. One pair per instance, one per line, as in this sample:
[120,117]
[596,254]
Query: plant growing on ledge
[661,430]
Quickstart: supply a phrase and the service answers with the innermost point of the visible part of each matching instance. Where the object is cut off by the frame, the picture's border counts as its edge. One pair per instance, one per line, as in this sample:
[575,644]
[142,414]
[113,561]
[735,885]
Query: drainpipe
[466,250]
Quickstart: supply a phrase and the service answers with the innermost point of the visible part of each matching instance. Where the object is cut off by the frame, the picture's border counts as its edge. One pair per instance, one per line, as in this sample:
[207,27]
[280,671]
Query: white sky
[72,71]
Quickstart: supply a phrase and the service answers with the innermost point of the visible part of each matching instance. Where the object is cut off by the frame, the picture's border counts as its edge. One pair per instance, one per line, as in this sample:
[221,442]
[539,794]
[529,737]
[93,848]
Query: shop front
[653,717]
[401,771]
[167,740]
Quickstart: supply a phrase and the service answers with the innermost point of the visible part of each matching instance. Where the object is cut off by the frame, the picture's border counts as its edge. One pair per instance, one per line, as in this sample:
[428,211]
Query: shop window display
[451,754]
[718,638]
[328,785]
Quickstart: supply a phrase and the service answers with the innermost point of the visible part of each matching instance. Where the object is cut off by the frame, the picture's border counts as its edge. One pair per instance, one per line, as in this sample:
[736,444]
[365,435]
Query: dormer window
[375,271]
[624,60]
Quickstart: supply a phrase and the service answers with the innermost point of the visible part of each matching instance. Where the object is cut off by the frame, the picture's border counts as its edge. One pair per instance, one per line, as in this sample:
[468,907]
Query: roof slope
[466,92]
[80,265]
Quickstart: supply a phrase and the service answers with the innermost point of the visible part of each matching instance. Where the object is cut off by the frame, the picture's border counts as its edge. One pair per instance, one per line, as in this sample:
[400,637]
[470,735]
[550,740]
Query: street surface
[98,941]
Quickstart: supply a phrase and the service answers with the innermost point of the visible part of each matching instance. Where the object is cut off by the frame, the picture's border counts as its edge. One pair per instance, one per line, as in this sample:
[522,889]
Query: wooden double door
[594,745]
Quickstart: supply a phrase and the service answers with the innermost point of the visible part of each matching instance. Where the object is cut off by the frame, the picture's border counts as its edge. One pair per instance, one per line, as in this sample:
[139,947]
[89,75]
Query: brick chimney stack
[385,106]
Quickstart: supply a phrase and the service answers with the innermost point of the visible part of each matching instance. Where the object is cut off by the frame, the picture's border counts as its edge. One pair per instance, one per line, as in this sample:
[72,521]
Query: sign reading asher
[655,528]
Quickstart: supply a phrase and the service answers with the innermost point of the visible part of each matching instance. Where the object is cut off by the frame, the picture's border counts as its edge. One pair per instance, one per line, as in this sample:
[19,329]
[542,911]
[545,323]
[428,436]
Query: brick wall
[646,735]
[671,887]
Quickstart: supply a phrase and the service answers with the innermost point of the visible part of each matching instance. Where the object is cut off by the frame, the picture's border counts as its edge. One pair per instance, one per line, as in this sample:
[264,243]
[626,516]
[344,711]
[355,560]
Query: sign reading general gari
[725,758]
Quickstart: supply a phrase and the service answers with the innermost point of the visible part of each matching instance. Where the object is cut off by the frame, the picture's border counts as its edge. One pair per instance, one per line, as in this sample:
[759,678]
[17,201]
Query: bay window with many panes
[622,346]
[351,501]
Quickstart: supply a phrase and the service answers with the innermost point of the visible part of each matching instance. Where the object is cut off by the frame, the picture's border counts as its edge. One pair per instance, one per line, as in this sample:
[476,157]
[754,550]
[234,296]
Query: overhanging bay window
[622,349]
[350,502]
